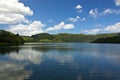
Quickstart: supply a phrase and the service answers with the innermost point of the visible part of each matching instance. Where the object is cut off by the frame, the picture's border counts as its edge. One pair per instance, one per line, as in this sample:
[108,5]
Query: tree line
[8,38]
[115,39]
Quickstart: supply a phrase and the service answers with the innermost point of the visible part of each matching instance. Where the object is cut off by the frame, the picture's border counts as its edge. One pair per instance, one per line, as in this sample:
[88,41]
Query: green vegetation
[28,39]
[43,36]
[46,40]
[8,38]
[115,39]
[65,37]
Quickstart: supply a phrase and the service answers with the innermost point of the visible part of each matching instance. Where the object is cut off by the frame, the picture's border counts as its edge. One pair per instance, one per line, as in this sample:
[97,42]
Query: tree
[8,38]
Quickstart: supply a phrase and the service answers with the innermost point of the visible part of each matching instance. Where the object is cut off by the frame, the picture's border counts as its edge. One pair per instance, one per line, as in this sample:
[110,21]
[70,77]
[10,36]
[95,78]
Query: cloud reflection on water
[13,71]
[93,61]
[37,57]
[28,55]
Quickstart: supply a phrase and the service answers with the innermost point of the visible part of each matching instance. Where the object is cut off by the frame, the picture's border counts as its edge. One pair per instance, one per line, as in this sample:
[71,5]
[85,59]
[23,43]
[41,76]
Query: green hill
[28,39]
[66,37]
[115,39]
[8,38]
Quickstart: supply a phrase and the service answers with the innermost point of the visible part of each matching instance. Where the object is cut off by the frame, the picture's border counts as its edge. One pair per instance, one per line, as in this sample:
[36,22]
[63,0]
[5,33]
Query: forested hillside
[115,39]
[14,39]
[66,37]
[8,38]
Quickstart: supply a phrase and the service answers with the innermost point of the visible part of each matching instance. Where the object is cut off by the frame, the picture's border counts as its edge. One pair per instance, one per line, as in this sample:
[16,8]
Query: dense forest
[8,38]
[66,37]
[115,39]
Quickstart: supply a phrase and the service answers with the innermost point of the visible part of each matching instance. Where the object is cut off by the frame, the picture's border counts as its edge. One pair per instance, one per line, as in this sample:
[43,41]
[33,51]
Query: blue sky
[28,17]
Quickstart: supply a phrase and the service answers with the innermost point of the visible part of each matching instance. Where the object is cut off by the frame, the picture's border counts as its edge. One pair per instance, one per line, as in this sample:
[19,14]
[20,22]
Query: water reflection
[79,78]
[37,57]
[61,58]
[8,49]
[66,61]
[46,47]
[13,71]
[30,55]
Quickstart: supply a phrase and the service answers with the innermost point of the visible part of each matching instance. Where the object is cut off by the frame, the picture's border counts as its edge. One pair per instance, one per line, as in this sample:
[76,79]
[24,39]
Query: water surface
[60,61]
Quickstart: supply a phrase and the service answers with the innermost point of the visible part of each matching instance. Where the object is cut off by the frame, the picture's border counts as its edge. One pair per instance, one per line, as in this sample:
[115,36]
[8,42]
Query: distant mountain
[8,38]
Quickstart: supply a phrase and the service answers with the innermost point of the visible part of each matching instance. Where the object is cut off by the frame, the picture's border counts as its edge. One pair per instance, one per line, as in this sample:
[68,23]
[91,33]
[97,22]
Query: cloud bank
[28,29]
[108,29]
[60,26]
[95,13]
[12,12]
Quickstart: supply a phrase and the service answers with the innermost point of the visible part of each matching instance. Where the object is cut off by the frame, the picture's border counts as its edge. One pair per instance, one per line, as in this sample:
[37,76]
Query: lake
[60,61]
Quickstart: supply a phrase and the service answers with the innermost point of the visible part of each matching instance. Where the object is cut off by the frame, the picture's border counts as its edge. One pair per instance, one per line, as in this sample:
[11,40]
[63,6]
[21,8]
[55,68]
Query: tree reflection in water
[8,49]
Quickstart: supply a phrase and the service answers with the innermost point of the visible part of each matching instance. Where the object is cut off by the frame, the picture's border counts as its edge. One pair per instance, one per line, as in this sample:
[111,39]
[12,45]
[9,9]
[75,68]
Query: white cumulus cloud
[110,11]
[113,28]
[78,6]
[77,18]
[92,31]
[59,26]
[12,11]
[107,11]
[117,2]
[28,29]
[93,12]
[108,29]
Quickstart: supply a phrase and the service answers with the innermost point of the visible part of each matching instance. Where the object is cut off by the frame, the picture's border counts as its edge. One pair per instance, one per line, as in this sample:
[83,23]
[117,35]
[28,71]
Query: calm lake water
[60,61]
